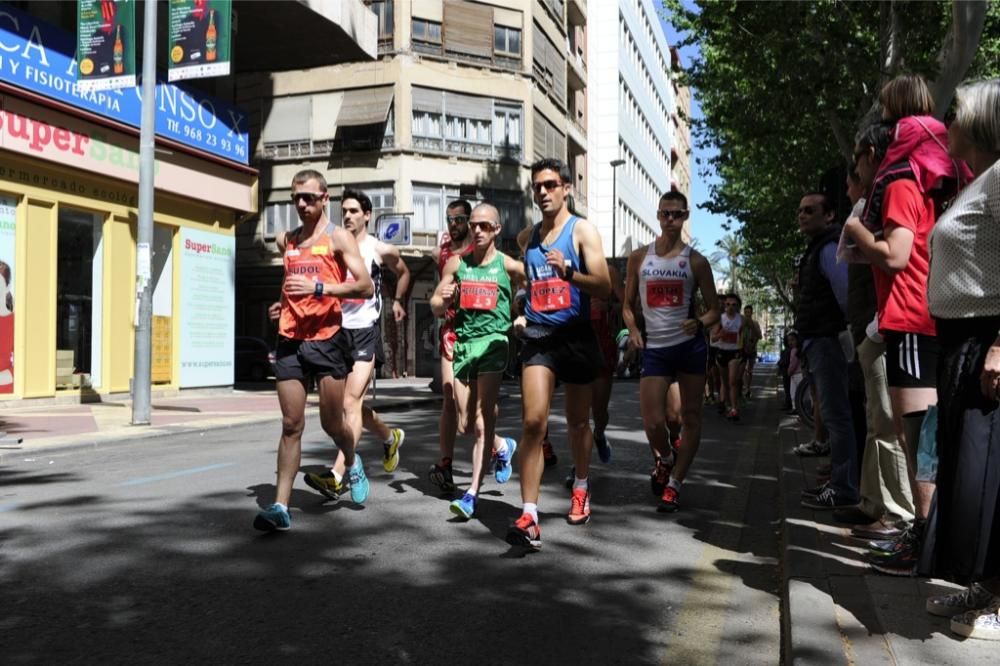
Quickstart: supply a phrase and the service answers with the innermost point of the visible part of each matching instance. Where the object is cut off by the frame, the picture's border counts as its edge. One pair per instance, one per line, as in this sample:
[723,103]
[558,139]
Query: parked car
[254,359]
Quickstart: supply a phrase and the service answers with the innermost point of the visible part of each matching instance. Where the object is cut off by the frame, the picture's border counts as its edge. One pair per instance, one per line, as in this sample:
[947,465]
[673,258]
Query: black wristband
[318,290]
[568,273]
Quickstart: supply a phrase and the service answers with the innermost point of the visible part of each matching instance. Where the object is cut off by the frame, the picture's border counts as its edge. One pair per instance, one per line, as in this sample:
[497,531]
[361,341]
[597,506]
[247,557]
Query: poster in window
[8,214]
[207,308]
[199,39]
[105,44]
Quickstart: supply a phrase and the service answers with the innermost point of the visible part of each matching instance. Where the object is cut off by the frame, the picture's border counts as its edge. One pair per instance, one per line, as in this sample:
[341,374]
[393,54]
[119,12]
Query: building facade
[463,98]
[69,260]
[634,102]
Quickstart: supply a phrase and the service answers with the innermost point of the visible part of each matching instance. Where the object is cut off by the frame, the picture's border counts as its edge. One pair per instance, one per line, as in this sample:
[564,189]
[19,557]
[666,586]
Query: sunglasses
[546,185]
[458,219]
[308,197]
[671,214]
[482,226]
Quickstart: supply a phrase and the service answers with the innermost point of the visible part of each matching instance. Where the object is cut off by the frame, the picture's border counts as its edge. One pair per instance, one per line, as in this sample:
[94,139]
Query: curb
[97,441]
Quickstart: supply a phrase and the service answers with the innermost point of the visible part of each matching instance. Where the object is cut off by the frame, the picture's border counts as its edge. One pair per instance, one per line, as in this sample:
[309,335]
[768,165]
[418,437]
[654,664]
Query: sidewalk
[58,428]
[836,609]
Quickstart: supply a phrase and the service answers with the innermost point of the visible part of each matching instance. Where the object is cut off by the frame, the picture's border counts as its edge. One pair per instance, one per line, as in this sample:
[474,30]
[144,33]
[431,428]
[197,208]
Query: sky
[705,227]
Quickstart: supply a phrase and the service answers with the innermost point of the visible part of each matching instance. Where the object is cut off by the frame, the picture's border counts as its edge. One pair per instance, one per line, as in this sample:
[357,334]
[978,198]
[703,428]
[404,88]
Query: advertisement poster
[8,213]
[105,44]
[199,39]
[207,308]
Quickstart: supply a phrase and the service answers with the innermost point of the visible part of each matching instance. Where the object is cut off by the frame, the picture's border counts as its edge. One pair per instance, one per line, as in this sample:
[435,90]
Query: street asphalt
[145,553]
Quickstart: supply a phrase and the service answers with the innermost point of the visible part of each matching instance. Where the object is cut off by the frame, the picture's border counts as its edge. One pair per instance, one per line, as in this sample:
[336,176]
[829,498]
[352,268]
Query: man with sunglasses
[478,285]
[455,242]
[565,266]
[312,342]
[361,319]
[662,279]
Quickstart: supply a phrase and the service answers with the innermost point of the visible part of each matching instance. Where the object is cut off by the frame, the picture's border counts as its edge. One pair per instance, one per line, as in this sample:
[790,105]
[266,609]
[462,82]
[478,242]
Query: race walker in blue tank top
[551,300]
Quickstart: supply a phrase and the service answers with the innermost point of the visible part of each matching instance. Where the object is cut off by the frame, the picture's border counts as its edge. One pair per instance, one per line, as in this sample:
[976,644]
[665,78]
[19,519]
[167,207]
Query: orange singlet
[308,317]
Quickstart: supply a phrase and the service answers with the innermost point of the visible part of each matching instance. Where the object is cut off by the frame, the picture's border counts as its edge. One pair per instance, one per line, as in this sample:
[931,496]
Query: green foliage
[783,87]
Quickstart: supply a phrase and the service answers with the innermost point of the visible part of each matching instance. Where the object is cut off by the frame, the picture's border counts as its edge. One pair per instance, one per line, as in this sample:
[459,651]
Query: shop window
[78,300]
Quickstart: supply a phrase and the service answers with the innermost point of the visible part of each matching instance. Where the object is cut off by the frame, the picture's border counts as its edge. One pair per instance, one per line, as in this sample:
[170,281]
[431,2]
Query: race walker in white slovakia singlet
[666,288]
[364,312]
[730,338]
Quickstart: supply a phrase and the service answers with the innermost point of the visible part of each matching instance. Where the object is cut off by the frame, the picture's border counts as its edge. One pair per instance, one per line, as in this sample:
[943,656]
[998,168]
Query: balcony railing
[467,149]
[497,61]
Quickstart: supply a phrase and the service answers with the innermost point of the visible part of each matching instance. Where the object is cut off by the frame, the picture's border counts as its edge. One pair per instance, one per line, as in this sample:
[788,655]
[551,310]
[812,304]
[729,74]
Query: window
[278,217]
[383,10]
[465,124]
[428,206]
[507,41]
[427,124]
[507,130]
[426,31]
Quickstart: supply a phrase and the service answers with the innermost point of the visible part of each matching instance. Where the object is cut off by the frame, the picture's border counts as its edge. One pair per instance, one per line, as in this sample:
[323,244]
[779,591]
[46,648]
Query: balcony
[436,51]
[576,72]
[576,12]
[466,149]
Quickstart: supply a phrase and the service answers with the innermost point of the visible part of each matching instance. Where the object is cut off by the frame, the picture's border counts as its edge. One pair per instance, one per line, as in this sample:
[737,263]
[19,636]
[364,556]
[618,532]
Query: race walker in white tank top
[729,340]
[666,289]
[364,312]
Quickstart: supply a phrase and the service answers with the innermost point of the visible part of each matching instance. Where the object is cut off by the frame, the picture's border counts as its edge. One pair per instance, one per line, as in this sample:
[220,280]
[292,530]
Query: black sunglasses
[458,219]
[671,214]
[482,226]
[547,185]
[308,197]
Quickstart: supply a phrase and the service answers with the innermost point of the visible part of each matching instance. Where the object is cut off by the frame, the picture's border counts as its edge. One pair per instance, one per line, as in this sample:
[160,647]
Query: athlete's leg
[734,374]
[653,408]
[355,388]
[673,413]
[581,438]
[537,384]
[487,390]
[691,388]
[448,421]
[722,372]
[332,417]
[292,400]
[601,397]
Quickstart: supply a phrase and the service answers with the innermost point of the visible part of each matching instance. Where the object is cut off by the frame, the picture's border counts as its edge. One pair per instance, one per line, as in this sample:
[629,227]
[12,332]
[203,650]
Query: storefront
[69,167]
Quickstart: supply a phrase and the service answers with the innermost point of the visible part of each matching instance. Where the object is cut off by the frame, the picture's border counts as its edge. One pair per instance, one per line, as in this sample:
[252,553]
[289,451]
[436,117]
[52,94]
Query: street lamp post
[614,205]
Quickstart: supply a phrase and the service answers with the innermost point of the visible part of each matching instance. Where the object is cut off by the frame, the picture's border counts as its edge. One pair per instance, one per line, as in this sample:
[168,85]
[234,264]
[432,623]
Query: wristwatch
[318,291]
[568,272]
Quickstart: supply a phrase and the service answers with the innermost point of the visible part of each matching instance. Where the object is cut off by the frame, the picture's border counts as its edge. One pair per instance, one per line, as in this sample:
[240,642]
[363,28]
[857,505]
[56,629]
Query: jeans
[885,486]
[827,366]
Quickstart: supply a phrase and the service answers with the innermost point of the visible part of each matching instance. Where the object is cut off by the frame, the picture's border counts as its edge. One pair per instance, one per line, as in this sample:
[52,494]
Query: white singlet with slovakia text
[666,287]
[364,312]
[730,338]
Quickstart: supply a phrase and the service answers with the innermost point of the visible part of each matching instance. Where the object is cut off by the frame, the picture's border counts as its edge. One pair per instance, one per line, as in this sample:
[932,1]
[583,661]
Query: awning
[365,106]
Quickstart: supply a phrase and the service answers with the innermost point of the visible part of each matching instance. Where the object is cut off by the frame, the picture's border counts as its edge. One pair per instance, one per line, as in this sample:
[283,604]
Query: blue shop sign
[40,58]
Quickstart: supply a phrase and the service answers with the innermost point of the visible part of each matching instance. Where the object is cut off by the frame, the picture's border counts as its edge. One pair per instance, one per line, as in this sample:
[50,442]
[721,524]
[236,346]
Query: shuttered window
[549,65]
[288,120]
[468,28]
[548,141]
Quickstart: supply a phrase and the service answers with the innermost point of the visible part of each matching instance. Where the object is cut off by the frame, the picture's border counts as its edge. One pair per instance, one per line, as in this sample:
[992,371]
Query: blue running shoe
[274,518]
[603,447]
[465,507]
[359,482]
[504,469]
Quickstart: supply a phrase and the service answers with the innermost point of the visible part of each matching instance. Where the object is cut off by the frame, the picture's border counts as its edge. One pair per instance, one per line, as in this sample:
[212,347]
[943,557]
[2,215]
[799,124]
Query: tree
[784,86]
[730,251]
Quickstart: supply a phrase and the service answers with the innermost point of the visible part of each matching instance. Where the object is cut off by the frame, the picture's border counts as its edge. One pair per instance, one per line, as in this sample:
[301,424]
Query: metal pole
[614,211]
[141,378]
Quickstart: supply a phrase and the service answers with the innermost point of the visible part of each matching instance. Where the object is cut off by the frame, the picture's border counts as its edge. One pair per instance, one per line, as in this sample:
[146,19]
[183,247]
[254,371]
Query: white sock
[580,483]
[674,483]
[337,477]
[500,446]
[531,509]
[281,505]
[390,439]
[471,491]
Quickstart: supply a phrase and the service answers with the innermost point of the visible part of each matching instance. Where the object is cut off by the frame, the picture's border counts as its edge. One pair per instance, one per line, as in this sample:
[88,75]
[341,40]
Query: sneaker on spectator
[525,533]
[983,623]
[909,538]
[814,492]
[827,500]
[813,449]
[875,530]
[973,597]
[901,563]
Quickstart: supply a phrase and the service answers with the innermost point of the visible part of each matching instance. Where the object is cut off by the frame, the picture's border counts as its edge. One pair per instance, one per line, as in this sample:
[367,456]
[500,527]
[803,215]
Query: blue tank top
[551,301]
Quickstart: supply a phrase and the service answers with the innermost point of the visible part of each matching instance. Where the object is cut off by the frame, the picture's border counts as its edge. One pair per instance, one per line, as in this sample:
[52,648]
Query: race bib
[550,295]
[730,337]
[353,301]
[665,293]
[474,295]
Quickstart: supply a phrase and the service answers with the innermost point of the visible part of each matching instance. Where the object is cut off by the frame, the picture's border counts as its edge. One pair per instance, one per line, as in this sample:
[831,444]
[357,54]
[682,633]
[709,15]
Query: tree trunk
[957,50]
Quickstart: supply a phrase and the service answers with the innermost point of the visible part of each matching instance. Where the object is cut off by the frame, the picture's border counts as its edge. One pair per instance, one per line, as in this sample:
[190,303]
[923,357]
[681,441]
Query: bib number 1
[550,295]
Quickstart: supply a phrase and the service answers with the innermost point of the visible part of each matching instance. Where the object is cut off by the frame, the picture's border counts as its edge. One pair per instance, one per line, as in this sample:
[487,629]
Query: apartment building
[634,102]
[462,98]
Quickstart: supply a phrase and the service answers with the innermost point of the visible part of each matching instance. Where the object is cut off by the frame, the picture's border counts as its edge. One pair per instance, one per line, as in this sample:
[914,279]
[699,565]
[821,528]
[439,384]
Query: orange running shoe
[579,508]
[525,533]
[669,502]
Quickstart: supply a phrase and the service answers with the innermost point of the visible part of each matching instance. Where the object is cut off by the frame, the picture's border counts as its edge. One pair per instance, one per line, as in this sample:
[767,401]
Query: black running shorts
[301,359]
[571,352]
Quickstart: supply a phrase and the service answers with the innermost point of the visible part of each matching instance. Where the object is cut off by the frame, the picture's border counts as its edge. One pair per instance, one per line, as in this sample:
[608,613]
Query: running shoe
[733,415]
[390,451]
[983,623]
[603,447]
[465,507]
[660,475]
[358,480]
[910,538]
[503,468]
[973,597]
[579,507]
[525,533]
[815,492]
[570,478]
[827,500]
[901,563]
[813,449]
[440,476]
[669,501]
[274,518]
[550,456]
[326,484]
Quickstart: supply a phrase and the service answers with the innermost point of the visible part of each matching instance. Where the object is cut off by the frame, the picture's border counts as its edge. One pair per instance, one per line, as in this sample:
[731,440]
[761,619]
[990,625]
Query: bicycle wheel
[804,402]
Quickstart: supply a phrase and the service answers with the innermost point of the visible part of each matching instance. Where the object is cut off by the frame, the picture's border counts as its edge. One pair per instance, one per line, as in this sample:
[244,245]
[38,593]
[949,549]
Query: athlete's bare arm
[617,289]
[706,285]
[445,290]
[515,270]
[588,242]
[523,238]
[274,310]
[630,300]
[346,246]
[395,263]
